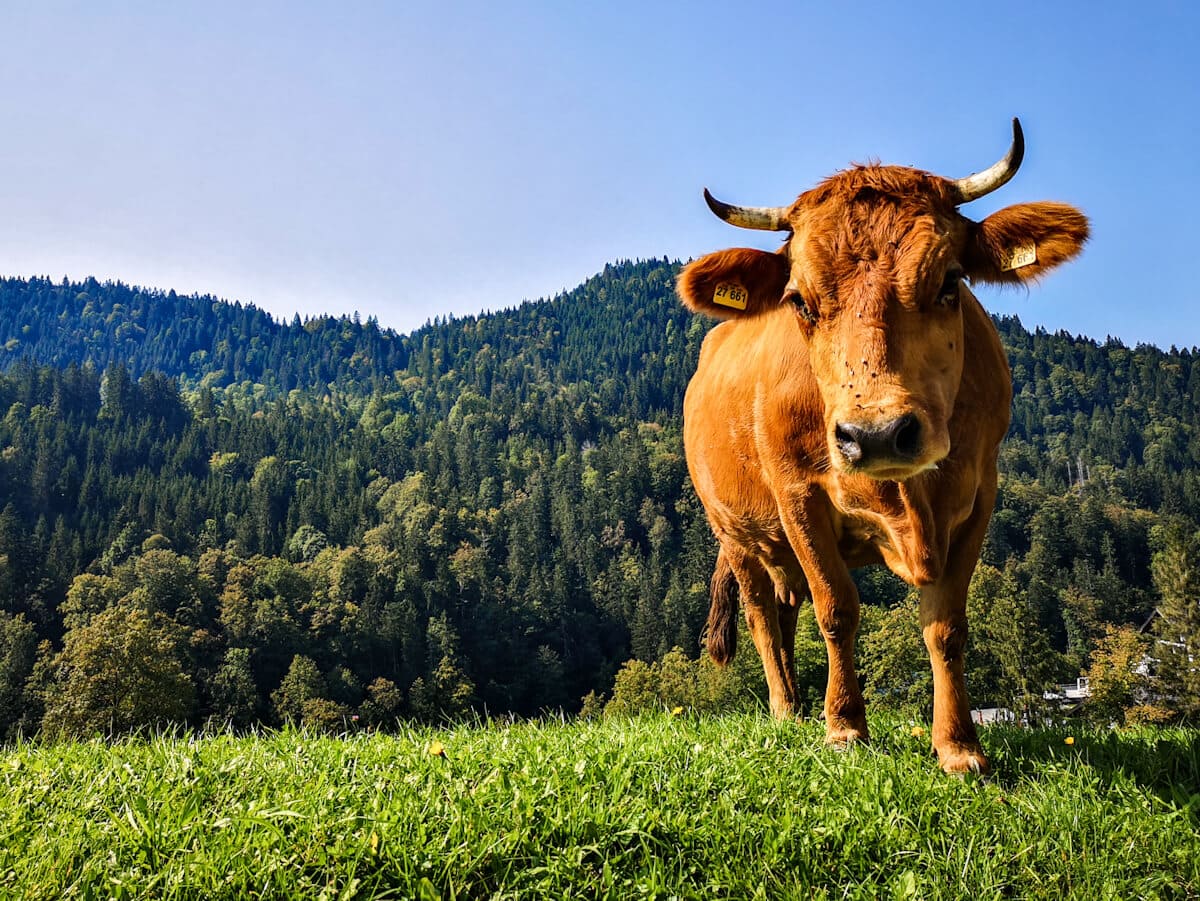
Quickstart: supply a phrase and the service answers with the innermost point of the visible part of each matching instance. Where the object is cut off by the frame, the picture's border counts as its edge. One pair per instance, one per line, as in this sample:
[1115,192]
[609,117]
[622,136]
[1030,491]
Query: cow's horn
[765,218]
[975,186]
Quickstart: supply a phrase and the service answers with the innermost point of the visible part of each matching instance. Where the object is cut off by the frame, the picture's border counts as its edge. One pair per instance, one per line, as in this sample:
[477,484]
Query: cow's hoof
[841,734]
[959,758]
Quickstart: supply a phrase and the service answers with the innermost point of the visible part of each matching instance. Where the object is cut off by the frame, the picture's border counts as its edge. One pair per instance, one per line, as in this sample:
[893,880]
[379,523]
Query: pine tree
[1176,570]
[234,694]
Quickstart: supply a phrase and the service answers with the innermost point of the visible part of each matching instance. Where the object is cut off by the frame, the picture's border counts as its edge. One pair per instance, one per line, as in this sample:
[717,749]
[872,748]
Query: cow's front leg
[944,627]
[835,601]
[837,615]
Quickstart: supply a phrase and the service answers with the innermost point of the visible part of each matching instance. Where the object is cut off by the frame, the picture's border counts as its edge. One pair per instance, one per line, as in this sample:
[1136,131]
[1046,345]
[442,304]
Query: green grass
[660,807]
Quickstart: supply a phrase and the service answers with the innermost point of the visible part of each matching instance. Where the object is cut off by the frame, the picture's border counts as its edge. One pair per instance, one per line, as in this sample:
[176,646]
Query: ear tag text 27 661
[728,295]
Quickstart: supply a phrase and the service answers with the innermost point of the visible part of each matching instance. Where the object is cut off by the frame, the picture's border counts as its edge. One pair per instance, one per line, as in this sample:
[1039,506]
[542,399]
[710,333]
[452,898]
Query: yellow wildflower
[1070,740]
[437,749]
[677,711]
[917,732]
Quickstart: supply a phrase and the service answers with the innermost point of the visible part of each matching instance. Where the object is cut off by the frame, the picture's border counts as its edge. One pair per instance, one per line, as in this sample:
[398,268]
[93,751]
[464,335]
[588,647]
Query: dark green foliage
[1176,567]
[18,653]
[132,331]
[492,512]
[235,696]
[303,683]
[124,670]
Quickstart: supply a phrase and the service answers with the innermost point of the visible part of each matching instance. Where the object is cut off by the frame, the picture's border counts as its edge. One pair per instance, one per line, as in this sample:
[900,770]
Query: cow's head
[873,270]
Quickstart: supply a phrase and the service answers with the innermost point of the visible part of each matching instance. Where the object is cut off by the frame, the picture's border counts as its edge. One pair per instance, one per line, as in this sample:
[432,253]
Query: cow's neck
[897,518]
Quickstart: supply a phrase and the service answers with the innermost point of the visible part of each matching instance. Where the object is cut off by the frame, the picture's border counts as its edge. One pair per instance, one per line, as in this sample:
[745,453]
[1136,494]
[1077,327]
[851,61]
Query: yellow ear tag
[731,296]
[1021,255]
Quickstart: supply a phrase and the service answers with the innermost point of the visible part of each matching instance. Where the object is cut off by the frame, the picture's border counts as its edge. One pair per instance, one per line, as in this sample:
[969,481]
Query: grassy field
[661,807]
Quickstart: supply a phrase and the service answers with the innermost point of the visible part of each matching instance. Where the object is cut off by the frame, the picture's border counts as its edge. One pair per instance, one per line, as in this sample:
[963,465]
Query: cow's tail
[721,631]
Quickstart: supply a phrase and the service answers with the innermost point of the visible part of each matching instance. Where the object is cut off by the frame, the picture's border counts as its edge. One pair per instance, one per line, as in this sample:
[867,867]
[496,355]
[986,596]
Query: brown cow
[849,412]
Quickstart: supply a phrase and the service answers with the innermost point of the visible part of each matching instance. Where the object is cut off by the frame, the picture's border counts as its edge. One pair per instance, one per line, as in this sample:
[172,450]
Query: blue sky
[410,159]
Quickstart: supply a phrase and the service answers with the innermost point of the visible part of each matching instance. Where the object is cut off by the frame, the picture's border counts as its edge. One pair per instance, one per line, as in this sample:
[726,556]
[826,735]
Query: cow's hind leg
[787,629]
[763,617]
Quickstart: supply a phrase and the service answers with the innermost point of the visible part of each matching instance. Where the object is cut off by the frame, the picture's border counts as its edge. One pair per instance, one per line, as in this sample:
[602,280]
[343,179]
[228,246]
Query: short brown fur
[852,415]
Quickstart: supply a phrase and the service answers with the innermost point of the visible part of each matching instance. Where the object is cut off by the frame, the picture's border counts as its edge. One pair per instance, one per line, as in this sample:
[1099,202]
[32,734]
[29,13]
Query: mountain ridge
[122,318]
[490,512]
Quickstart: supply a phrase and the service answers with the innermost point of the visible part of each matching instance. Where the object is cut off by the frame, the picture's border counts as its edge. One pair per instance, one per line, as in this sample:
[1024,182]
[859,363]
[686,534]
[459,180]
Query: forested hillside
[188,337]
[210,514]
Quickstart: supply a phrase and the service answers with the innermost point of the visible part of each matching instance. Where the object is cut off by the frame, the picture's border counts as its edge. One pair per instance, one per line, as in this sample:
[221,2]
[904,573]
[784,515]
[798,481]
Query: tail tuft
[720,635]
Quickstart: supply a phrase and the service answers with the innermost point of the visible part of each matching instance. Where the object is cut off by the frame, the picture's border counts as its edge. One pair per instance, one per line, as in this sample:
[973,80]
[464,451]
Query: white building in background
[1070,694]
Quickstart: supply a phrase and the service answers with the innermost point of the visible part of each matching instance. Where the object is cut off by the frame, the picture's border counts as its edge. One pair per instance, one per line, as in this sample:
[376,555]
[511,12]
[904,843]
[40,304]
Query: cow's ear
[1022,242]
[733,283]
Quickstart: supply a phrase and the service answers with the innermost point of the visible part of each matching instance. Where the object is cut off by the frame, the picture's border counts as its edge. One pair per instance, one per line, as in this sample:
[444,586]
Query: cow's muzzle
[866,445]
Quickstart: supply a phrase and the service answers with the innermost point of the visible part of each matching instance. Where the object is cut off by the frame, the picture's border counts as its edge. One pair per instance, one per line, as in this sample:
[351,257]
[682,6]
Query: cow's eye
[804,309]
[948,293]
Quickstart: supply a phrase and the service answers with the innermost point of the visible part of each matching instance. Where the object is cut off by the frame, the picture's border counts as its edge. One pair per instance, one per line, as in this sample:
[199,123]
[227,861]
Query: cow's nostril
[895,440]
[906,436]
[848,439]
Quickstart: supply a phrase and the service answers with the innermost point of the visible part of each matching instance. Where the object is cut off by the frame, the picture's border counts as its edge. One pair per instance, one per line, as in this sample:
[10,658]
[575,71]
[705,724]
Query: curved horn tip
[1018,144]
[762,218]
[721,209]
[998,174]
[726,212]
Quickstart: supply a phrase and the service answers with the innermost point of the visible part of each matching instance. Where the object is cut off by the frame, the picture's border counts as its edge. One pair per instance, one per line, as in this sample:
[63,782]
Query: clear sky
[406,159]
